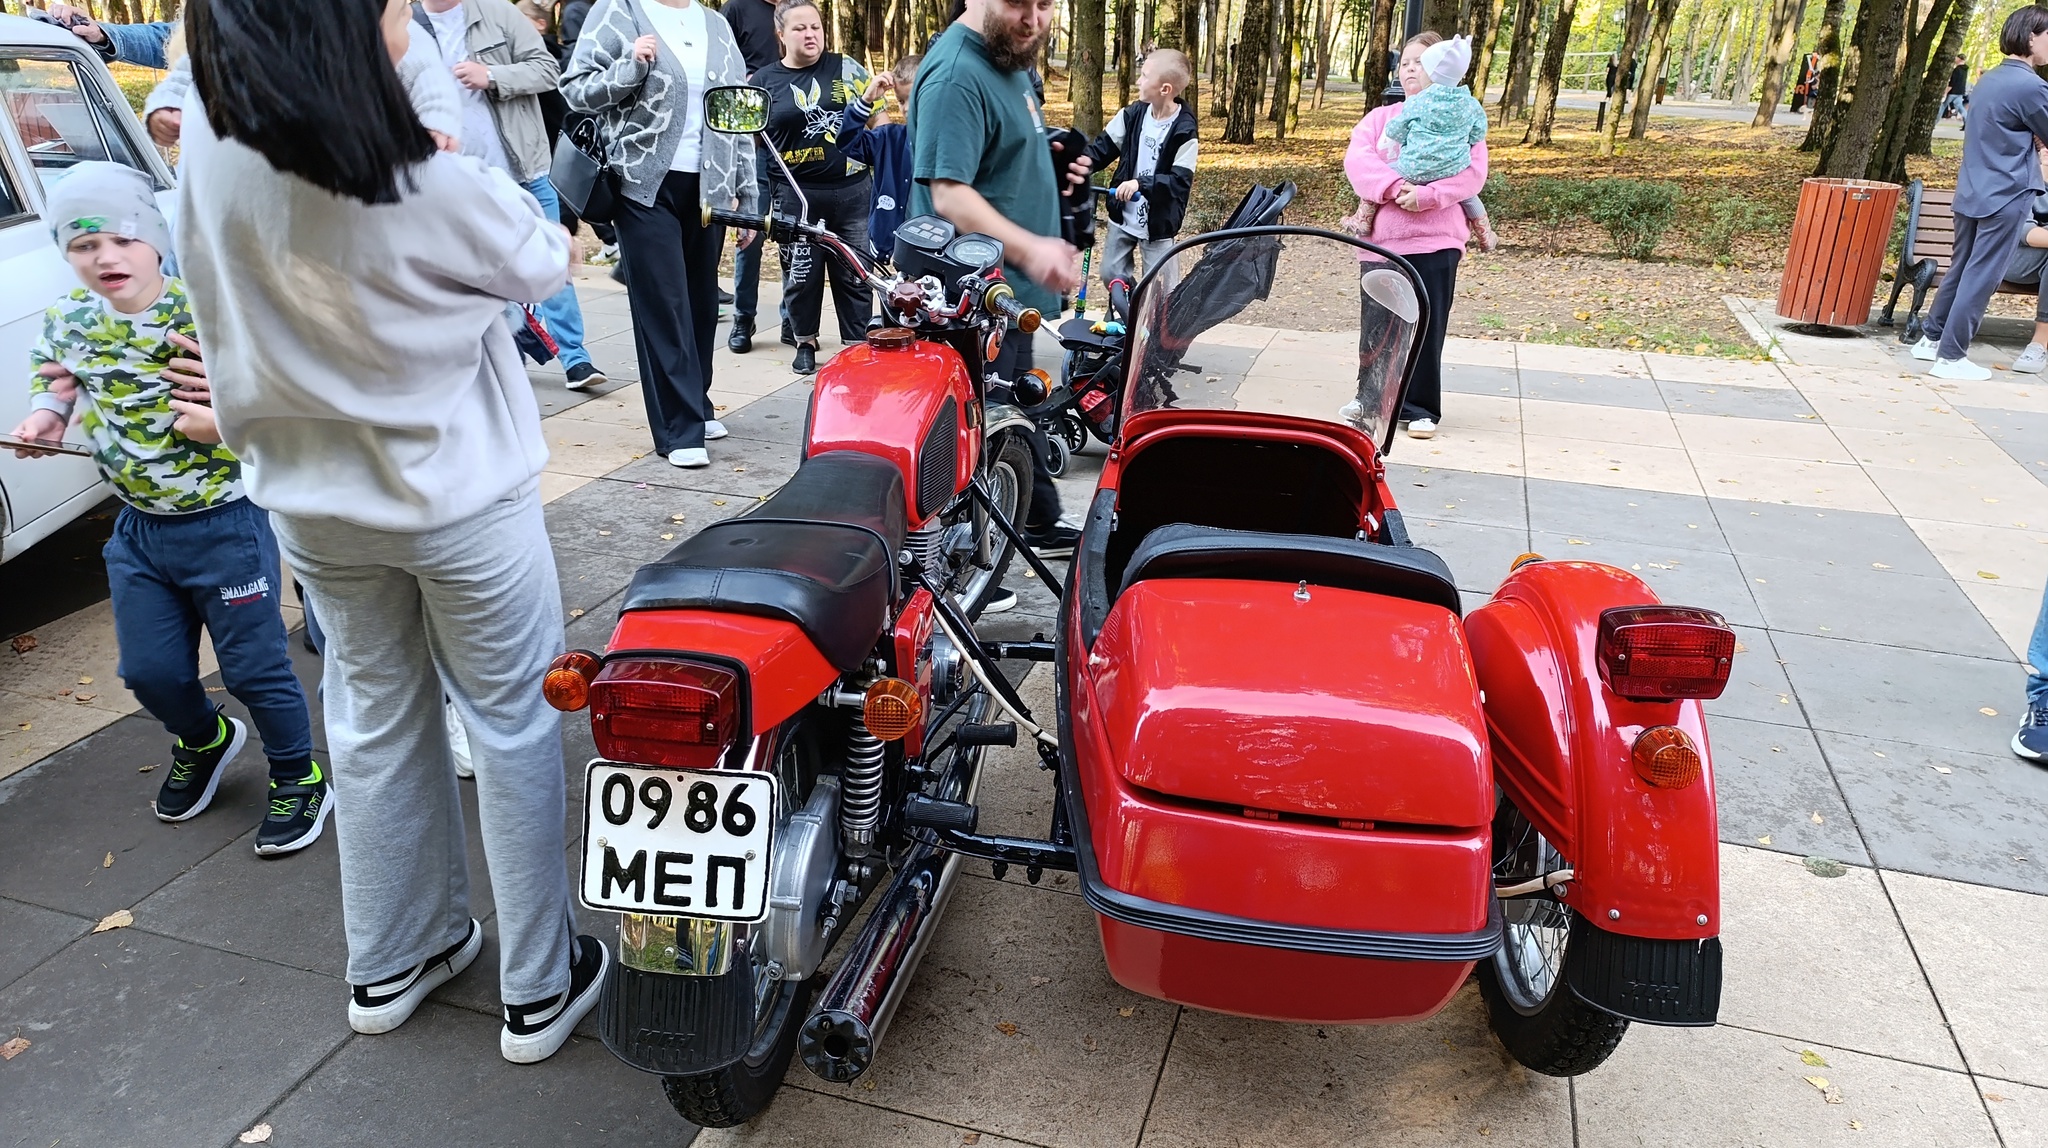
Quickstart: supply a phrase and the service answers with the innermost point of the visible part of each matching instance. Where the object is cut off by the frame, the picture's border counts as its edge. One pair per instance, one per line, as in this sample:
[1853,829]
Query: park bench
[1924,257]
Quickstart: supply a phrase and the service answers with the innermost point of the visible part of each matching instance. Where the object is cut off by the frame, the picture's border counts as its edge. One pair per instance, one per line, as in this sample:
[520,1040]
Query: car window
[59,120]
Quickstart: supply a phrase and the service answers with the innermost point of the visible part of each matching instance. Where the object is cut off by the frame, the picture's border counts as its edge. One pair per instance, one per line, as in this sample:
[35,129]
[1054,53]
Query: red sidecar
[1302,781]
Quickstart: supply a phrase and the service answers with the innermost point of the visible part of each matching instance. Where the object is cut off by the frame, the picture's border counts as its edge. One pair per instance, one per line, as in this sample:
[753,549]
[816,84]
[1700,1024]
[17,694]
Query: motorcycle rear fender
[893,404]
[785,671]
[1647,860]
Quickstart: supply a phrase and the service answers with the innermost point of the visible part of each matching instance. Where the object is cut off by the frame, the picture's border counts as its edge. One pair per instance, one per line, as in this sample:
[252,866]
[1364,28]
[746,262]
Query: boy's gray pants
[1116,258]
[473,609]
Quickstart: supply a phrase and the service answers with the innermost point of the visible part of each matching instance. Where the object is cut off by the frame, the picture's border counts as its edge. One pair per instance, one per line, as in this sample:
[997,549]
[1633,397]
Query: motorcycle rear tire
[1557,1034]
[739,1092]
[1010,451]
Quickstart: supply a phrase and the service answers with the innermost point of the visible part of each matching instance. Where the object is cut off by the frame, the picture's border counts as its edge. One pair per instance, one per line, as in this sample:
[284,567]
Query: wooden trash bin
[1839,240]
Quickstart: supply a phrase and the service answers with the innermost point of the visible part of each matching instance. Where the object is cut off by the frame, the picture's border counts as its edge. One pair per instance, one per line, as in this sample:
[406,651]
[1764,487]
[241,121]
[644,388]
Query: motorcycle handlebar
[1001,299]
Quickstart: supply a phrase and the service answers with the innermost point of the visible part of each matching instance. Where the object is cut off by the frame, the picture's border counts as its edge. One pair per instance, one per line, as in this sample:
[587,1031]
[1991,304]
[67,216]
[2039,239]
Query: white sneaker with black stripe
[385,1005]
[534,1032]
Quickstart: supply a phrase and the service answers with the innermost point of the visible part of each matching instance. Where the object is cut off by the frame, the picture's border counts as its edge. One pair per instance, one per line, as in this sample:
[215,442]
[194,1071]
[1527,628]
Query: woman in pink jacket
[1429,229]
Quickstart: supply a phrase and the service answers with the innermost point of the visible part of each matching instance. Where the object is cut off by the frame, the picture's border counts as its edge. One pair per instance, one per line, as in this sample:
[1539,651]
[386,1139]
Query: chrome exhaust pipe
[839,1039]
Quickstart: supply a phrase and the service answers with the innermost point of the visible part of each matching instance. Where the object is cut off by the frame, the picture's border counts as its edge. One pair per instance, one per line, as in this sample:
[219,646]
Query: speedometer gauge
[976,251]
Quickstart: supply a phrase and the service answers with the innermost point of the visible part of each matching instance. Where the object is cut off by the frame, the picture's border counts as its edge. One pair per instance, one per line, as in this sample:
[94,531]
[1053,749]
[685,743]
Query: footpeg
[1002,733]
[921,812]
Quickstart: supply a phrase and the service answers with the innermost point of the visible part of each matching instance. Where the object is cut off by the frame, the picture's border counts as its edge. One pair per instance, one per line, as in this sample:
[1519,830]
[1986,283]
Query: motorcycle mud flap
[674,1025]
[1676,983]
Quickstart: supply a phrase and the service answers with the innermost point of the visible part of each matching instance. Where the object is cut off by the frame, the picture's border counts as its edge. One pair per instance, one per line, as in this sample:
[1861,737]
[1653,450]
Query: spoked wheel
[1543,1024]
[1008,474]
[1072,430]
[1056,454]
[739,1092]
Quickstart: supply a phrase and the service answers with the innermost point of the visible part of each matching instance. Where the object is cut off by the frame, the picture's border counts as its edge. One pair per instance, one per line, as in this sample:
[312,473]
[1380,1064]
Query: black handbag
[580,174]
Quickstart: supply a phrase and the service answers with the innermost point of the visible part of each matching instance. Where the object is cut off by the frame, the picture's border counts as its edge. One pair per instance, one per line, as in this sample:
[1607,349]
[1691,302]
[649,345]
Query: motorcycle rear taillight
[658,711]
[1657,653]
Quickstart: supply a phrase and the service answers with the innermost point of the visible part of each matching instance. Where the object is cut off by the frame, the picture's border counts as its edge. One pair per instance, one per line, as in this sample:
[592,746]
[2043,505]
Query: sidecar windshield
[1280,320]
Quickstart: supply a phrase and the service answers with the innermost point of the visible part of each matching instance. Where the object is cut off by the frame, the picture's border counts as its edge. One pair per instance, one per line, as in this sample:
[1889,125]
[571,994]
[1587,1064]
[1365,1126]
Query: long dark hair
[311,87]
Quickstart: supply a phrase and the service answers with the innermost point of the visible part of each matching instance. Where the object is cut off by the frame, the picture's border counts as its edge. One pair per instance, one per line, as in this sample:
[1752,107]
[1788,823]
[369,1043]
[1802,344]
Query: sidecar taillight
[1657,653]
[1666,758]
[658,711]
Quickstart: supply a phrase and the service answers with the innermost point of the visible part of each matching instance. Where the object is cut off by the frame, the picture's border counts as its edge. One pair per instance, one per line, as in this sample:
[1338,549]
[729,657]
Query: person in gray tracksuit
[1995,190]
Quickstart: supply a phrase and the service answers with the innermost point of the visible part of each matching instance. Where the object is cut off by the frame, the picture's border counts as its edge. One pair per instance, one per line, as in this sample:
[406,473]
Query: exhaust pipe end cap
[835,1046]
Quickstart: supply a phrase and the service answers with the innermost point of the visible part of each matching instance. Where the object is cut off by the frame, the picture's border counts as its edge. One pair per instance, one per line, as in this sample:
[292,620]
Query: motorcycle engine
[806,861]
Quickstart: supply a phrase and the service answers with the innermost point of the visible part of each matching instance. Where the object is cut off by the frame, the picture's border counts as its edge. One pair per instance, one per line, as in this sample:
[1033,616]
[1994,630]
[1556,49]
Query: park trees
[1544,110]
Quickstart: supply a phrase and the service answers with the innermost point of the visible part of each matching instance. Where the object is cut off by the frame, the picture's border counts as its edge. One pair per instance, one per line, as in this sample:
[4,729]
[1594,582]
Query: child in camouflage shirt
[188,549]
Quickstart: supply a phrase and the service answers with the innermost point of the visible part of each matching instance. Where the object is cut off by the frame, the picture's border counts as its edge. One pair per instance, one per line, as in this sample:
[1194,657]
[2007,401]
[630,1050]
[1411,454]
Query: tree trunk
[1687,58]
[852,33]
[1521,50]
[1854,144]
[1544,111]
[1190,36]
[1485,30]
[1784,32]
[1721,63]
[1376,47]
[1934,85]
[1084,66]
[1827,85]
[1440,16]
[1361,31]
[1126,46]
[1653,70]
[1249,70]
[1631,39]
[1283,61]
[1325,41]
[1888,158]
[1745,67]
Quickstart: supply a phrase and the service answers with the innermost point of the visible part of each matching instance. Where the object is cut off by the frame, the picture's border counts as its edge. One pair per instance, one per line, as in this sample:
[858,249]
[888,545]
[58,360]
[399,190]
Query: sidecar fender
[1647,860]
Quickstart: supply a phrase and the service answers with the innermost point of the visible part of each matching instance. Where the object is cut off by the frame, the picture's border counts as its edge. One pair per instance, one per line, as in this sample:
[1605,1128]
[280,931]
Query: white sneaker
[690,456]
[1421,428]
[714,430]
[384,1006]
[1926,350]
[606,255]
[458,741]
[2031,360]
[1961,370]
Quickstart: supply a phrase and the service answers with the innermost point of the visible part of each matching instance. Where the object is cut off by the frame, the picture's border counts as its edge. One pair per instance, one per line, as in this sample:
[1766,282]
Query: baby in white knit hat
[1431,137]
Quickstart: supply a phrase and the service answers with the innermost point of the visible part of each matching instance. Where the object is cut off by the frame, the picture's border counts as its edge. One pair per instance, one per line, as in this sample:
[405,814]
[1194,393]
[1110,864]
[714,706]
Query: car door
[58,108]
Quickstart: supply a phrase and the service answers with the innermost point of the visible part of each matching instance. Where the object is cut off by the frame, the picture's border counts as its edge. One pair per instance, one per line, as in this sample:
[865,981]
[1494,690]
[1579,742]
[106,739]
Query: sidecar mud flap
[1676,983]
[677,1025]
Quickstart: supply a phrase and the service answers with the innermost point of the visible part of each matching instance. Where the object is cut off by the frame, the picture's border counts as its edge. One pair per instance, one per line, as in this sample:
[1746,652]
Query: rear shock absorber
[860,791]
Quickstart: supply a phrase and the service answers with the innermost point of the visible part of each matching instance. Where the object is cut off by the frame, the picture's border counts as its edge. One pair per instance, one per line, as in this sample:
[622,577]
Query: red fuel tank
[913,405]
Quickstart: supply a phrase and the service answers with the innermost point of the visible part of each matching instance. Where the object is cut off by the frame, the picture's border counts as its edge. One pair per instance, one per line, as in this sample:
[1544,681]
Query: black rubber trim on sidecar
[1208,926]
[1676,983]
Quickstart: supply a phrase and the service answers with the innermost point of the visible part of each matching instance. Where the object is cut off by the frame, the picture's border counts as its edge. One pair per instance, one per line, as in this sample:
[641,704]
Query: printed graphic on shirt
[247,592]
[124,402]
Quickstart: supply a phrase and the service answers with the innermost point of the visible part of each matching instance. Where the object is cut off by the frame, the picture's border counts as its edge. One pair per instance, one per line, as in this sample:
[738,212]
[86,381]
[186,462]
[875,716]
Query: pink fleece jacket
[1440,225]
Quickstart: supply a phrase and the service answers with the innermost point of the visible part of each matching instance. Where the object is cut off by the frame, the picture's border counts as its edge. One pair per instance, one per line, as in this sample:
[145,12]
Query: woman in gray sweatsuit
[642,67]
[351,282]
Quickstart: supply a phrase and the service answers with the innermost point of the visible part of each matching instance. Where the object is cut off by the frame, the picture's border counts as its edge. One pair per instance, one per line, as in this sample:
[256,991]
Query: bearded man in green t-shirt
[980,158]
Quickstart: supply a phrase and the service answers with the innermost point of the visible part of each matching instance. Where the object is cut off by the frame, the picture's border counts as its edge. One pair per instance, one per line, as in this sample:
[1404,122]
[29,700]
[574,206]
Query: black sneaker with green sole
[297,814]
[195,773]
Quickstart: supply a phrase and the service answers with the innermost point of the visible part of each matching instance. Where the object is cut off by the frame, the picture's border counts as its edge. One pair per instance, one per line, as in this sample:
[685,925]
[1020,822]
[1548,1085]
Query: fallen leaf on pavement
[1943,769]
[118,919]
[1879,566]
[1577,542]
[108,863]
[970,1138]
[1126,1010]
[1041,981]
[1986,574]
[604,534]
[1006,1028]
[1825,867]
[718,502]
[1764,840]
[257,1135]
[1987,711]
[1855,1126]
[1819,820]
[1820,1082]
[85,680]
[667,537]
[144,768]
[1088,1042]
[575,613]
[1994,1097]
[83,698]
[23,643]
[1811,1059]
[13,1048]
[676,517]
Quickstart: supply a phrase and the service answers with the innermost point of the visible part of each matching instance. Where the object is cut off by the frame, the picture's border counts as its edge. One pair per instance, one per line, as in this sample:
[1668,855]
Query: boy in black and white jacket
[1154,145]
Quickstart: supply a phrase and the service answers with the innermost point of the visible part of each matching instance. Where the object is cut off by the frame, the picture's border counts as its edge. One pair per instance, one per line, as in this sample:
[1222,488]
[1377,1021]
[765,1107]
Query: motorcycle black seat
[821,553]
[1183,551]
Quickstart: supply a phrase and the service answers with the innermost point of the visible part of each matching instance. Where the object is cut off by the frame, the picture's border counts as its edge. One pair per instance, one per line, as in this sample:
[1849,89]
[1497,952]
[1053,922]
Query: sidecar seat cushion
[820,553]
[1184,551]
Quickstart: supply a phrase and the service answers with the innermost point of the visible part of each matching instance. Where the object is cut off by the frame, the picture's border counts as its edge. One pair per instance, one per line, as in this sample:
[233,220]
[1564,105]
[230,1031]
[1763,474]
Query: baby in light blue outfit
[1431,137]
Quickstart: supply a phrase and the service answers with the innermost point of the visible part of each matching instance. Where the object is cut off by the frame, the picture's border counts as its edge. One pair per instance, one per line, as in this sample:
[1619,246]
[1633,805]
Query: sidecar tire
[1564,1036]
[739,1092]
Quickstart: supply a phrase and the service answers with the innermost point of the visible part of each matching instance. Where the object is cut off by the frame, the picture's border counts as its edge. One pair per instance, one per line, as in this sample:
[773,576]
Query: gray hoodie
[427,81]
[362,368]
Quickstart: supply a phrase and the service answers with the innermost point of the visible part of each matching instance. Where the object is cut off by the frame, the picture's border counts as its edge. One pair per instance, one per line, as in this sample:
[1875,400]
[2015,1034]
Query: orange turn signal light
[892,708]
[567,684]
[1666,758]
[1524,559]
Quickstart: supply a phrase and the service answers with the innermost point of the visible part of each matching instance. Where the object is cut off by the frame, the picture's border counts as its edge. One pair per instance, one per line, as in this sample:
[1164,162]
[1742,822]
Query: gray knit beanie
[97,197]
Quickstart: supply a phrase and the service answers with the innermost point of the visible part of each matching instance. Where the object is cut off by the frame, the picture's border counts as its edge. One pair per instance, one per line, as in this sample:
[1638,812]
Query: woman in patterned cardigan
[642,67]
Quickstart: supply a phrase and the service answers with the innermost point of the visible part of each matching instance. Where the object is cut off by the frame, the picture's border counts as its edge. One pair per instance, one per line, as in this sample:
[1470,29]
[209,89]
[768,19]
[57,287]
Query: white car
[58,106]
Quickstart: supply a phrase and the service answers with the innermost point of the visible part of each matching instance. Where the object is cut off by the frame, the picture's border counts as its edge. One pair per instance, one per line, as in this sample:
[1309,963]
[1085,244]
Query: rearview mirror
[737,109]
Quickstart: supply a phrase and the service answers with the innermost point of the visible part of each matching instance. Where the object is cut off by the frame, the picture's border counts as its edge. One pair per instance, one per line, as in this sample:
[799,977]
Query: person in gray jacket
[351,281]
[502,65]
[1995,190]
[642,67]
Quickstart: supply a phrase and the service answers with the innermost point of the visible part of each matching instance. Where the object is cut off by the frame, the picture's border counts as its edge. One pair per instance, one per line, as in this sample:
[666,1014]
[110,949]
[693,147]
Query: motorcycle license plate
[677,842]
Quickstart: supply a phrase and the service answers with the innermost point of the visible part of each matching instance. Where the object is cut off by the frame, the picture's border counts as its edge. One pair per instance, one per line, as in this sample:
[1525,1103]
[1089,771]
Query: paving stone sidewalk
[1842,512]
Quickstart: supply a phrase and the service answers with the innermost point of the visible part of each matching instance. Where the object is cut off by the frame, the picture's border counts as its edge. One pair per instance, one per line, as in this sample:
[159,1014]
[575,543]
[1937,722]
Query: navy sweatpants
[1982,249]
[169,574]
